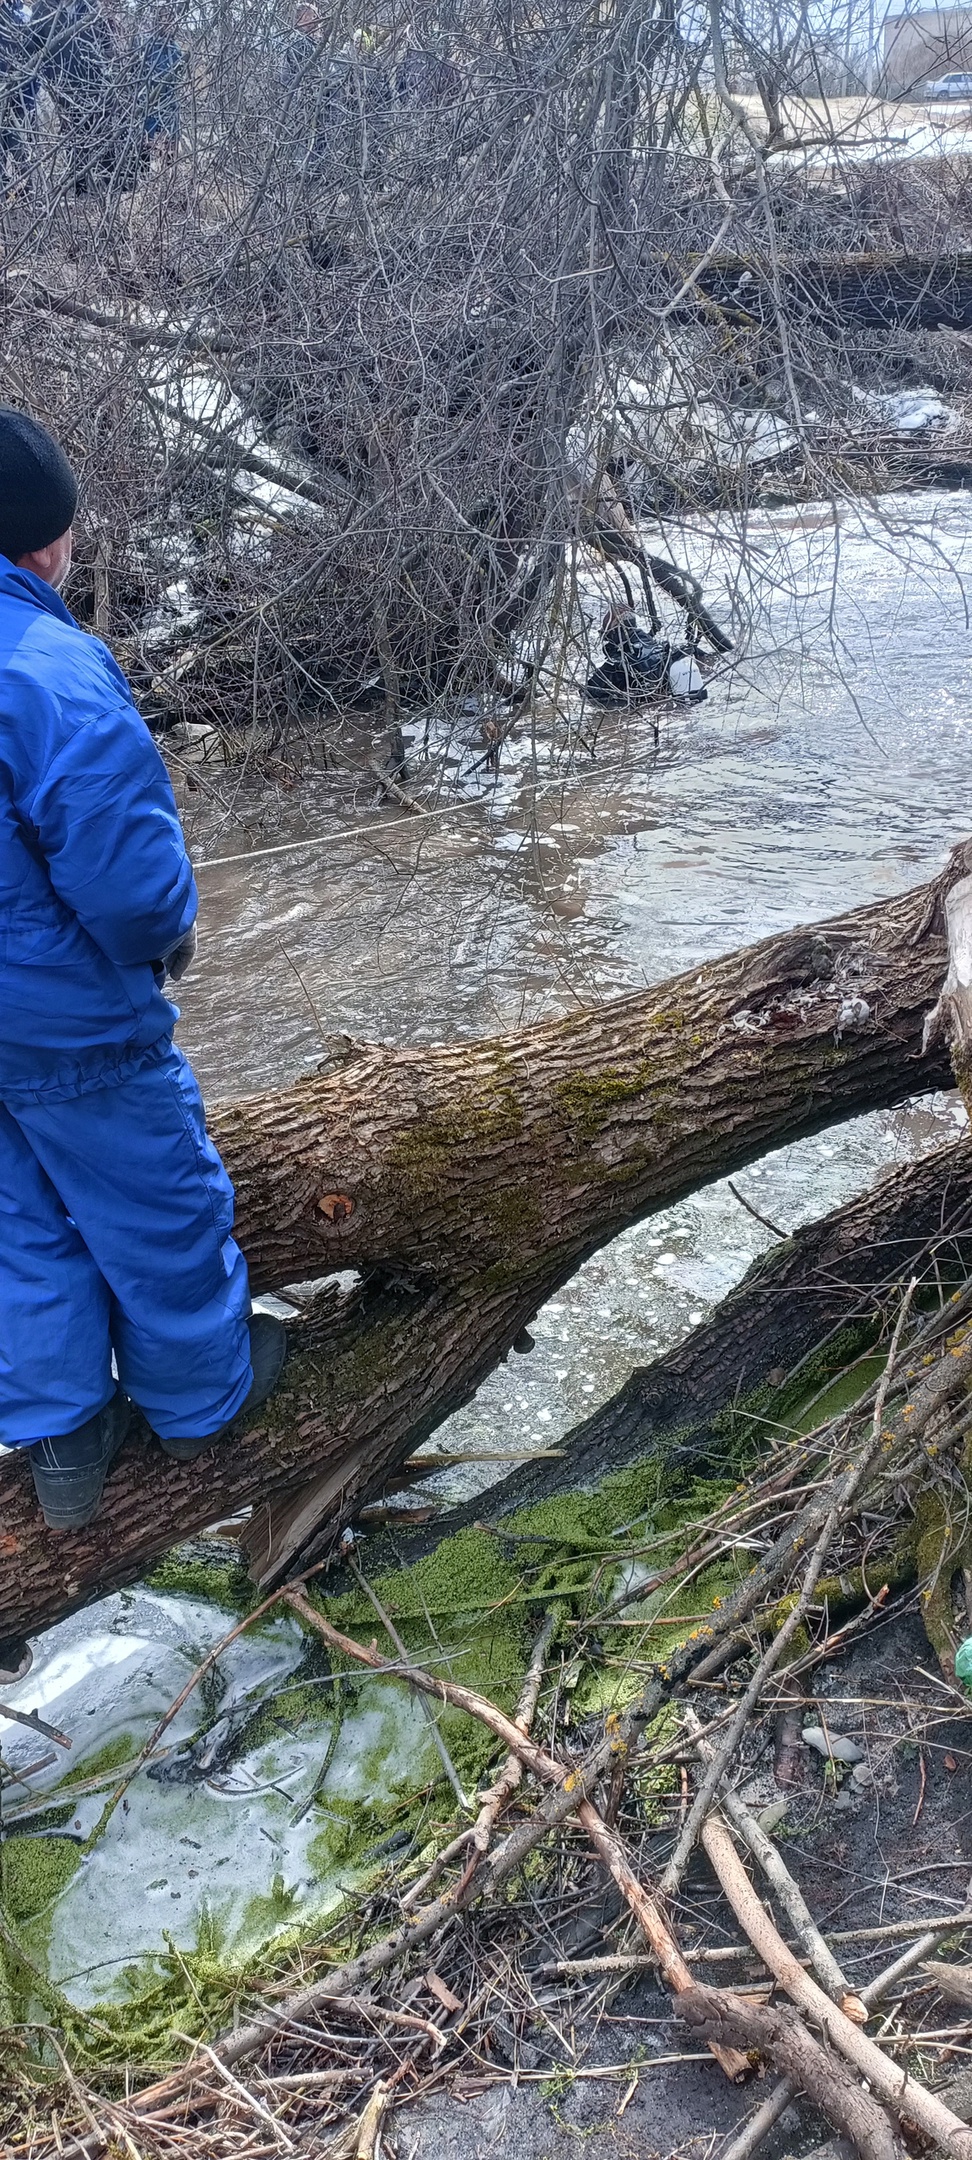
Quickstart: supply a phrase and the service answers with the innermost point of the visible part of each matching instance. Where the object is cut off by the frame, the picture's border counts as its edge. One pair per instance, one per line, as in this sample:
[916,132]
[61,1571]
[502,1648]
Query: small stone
[862,1776]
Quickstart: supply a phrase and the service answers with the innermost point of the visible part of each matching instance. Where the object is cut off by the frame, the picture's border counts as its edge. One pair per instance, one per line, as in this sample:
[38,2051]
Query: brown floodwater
[831,763]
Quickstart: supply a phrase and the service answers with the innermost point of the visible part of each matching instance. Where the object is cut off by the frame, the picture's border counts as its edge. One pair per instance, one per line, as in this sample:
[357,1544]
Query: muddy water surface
[830,765]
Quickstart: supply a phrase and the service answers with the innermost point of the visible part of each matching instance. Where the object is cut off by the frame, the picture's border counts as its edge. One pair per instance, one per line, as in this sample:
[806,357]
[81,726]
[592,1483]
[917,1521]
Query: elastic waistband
[71,1078]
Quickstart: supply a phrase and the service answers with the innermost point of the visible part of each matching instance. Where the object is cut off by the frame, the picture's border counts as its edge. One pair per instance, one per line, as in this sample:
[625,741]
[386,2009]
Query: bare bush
[340,323]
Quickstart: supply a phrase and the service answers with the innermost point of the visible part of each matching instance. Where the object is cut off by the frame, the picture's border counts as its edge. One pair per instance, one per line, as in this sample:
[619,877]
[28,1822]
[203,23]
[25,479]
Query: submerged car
[957,86]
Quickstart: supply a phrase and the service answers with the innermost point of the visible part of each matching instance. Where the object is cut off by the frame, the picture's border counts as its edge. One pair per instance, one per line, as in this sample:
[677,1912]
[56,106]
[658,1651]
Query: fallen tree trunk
[829,1279]
[470,1181]
[875,287]
[484,1159]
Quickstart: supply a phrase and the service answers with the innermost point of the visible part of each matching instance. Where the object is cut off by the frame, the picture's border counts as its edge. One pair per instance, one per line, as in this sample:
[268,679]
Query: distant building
[920,48]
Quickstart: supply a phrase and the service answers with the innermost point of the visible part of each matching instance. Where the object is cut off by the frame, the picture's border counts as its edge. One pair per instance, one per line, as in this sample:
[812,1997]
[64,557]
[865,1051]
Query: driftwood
[909,2100]
[781,2036]
[789,1895]
[467,1183]
[955,1981]
[957,2094]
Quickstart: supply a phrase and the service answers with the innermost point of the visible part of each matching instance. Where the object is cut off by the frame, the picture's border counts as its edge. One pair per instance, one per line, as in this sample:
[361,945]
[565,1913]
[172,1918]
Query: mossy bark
[481,1159]
[468,1182]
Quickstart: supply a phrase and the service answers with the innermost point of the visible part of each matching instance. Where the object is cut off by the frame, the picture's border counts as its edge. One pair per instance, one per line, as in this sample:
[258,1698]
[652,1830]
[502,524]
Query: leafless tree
[357,329]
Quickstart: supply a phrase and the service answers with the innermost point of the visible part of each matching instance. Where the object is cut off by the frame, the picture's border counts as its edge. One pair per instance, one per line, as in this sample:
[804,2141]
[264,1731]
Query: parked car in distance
[958,86]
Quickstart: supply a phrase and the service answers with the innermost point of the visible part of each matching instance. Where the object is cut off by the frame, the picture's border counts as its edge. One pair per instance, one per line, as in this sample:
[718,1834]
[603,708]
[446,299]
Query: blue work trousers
[116,1220]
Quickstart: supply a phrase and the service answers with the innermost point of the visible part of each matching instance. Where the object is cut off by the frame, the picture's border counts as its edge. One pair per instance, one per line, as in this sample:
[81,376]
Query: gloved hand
[181,956]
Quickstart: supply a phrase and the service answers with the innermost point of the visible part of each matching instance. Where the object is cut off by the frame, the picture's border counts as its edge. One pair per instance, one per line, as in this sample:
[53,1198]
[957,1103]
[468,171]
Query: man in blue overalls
[116,1214]
[18,92]
[161,66]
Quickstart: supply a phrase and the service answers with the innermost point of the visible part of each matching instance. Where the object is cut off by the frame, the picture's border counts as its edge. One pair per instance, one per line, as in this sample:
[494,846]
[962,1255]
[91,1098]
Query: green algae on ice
[204,1571]
[255,1870]
[35,1870]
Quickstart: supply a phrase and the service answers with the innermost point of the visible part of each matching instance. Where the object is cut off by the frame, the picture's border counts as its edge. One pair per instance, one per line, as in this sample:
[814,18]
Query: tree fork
[468,1182]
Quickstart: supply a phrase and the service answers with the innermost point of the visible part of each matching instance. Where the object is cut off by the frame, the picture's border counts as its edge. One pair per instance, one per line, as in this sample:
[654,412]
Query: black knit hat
[38,490]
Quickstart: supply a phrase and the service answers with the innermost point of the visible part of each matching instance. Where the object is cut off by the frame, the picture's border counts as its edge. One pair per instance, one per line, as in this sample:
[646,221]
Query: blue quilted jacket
[95,882]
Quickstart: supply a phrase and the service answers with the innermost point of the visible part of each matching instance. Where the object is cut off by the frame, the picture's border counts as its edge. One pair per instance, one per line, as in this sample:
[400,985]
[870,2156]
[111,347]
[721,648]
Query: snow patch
[907,412]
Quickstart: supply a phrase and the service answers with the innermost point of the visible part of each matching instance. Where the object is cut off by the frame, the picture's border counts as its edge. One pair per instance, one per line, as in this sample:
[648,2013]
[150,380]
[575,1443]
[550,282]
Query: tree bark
[831,1274]
[468,1182]
[951,1016]
[479,1160]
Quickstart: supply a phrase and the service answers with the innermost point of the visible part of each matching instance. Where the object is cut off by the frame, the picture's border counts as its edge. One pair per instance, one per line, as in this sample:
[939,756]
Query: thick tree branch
[467,1158]
[468,1182]
[812,2067]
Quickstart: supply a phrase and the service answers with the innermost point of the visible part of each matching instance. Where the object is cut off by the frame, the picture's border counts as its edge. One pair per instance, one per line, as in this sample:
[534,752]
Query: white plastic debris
[855,1012]
[684,678]
[834,1745]
[908,412]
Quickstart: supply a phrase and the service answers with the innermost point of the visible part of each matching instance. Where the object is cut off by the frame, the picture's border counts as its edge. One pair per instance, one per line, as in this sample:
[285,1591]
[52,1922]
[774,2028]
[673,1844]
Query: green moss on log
[941,1541]
[423,1160]
[589,1103]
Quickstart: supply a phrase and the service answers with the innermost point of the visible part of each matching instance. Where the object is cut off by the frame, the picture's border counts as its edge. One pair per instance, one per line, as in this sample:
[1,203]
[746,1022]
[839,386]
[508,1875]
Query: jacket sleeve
[107,825]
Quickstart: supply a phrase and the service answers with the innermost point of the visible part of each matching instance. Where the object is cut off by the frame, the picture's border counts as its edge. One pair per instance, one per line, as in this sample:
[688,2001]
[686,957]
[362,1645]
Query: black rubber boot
[268,1349]
[70,1470]
[16,1658]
